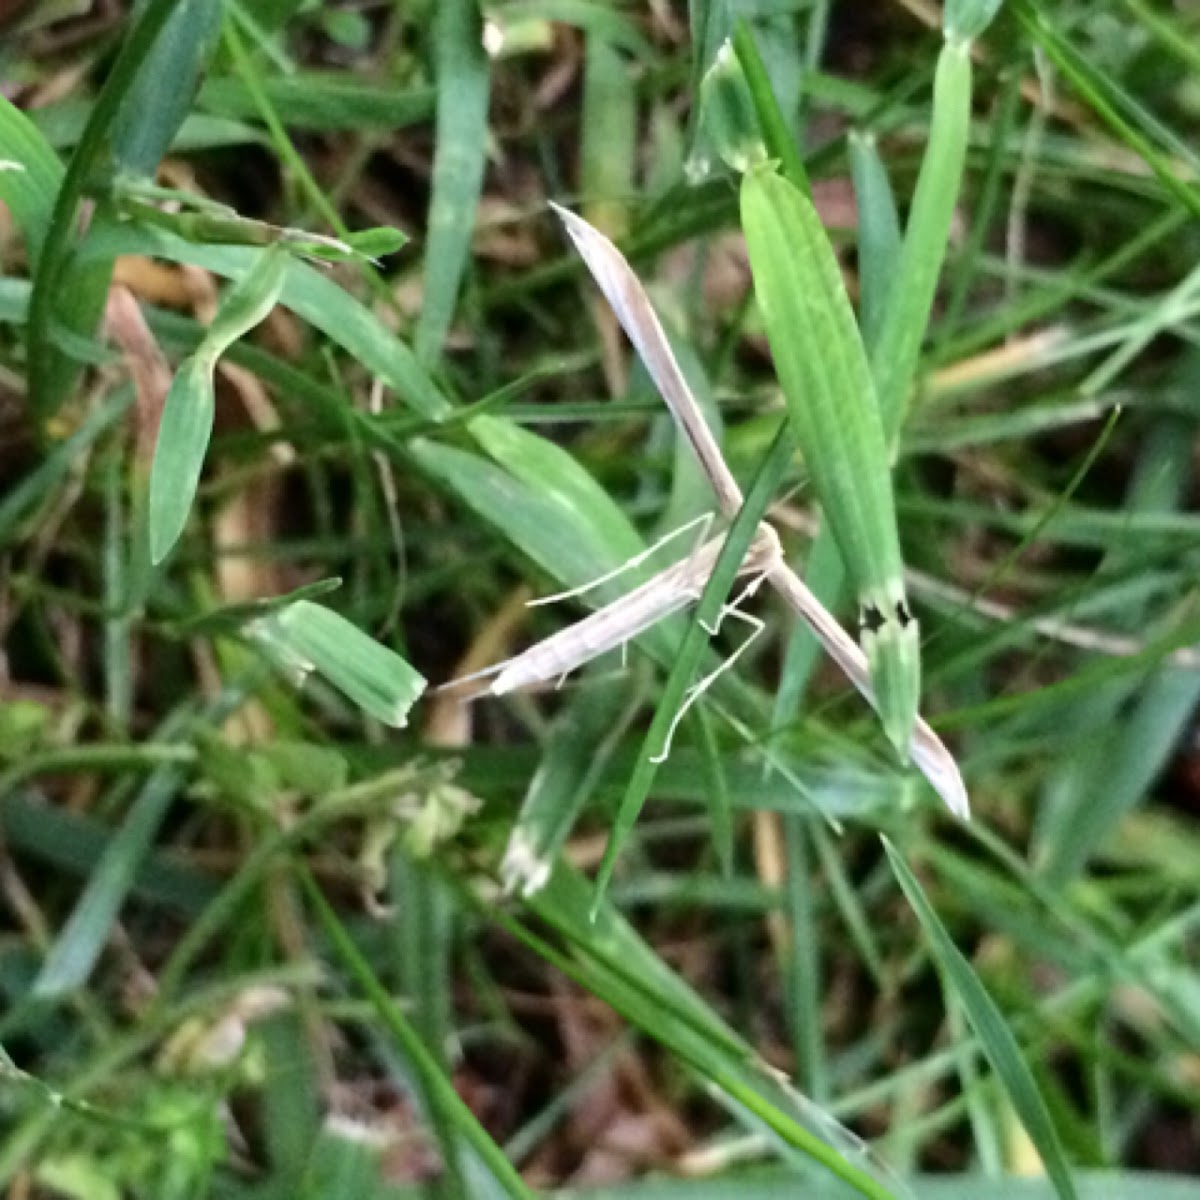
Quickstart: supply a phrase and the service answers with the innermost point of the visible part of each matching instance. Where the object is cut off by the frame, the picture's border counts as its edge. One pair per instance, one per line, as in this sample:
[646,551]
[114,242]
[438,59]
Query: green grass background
[255,941]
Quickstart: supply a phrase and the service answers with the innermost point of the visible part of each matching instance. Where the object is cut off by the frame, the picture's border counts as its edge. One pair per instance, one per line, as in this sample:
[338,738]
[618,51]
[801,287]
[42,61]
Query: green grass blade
[155,107]
[85,935]
[30,177]
[1127,119]
[421,945]
[291,1107]
[716,790]
[321,100]
[41,483]
[800,960]
[50,374]
[307,636]
[568,543]
[1108,774]
[966,266]
[710,23]
[687,657]
[776,132]
[579,747]
[310,294]
[118,625]
[609,151]
[728,120]
[898,346]
[878,236]
[778,1184]
[437,1088]
[541,465]
[826,382]
[458,162]
[1123,768]
[183,437]
[994,1035]
[1166,32]
[187,419]
[965,20]
[608,957]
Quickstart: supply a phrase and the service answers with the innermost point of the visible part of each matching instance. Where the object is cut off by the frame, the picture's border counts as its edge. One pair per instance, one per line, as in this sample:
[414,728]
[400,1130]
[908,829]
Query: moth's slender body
[668,592]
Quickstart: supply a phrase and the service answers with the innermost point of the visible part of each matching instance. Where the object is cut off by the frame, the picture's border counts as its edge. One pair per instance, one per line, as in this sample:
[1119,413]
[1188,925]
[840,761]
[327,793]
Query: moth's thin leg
[705,520]
[732,607]
[697,690]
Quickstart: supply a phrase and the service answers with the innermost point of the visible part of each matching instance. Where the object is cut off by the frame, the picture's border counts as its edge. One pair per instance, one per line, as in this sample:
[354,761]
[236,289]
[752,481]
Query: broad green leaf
[246,304]
[546,467]
[309,637]
[995,1037]
[313,295]
[822,368]
[155,107]
[187,420]
[322,101]
[30,175]
[183,437]
[727,114]
[563,539]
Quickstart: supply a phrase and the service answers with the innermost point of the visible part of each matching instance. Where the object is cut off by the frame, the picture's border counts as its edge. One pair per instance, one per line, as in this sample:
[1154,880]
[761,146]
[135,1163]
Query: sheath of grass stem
[826,381]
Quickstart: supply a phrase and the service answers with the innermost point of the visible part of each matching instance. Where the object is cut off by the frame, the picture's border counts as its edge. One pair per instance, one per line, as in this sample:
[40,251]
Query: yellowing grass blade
[826,381]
